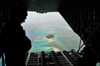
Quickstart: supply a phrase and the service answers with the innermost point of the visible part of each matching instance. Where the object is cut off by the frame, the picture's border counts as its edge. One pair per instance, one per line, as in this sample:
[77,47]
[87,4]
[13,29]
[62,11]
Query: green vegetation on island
[50,36]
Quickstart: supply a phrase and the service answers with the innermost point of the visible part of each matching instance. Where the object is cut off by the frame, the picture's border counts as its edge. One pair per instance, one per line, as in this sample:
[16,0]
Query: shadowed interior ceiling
[43,6]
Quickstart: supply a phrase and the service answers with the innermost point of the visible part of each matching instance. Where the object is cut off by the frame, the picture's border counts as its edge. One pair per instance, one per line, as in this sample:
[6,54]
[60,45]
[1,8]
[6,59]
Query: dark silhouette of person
[13,42]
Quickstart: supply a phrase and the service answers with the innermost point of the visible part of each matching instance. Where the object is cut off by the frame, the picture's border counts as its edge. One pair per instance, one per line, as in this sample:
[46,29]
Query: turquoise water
[38,26]
[63,40]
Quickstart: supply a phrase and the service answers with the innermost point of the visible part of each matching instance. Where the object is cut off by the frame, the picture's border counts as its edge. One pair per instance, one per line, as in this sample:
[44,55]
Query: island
[50,36]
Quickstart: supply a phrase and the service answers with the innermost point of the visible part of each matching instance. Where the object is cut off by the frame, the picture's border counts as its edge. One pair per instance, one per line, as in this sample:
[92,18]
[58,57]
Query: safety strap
[3,60]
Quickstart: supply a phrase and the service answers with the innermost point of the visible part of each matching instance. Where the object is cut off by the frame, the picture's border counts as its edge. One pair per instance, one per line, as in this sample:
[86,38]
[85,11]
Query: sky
[35,19]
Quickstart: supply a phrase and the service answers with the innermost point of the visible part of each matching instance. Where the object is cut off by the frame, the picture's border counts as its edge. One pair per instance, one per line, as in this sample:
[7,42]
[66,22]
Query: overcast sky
[35,19]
